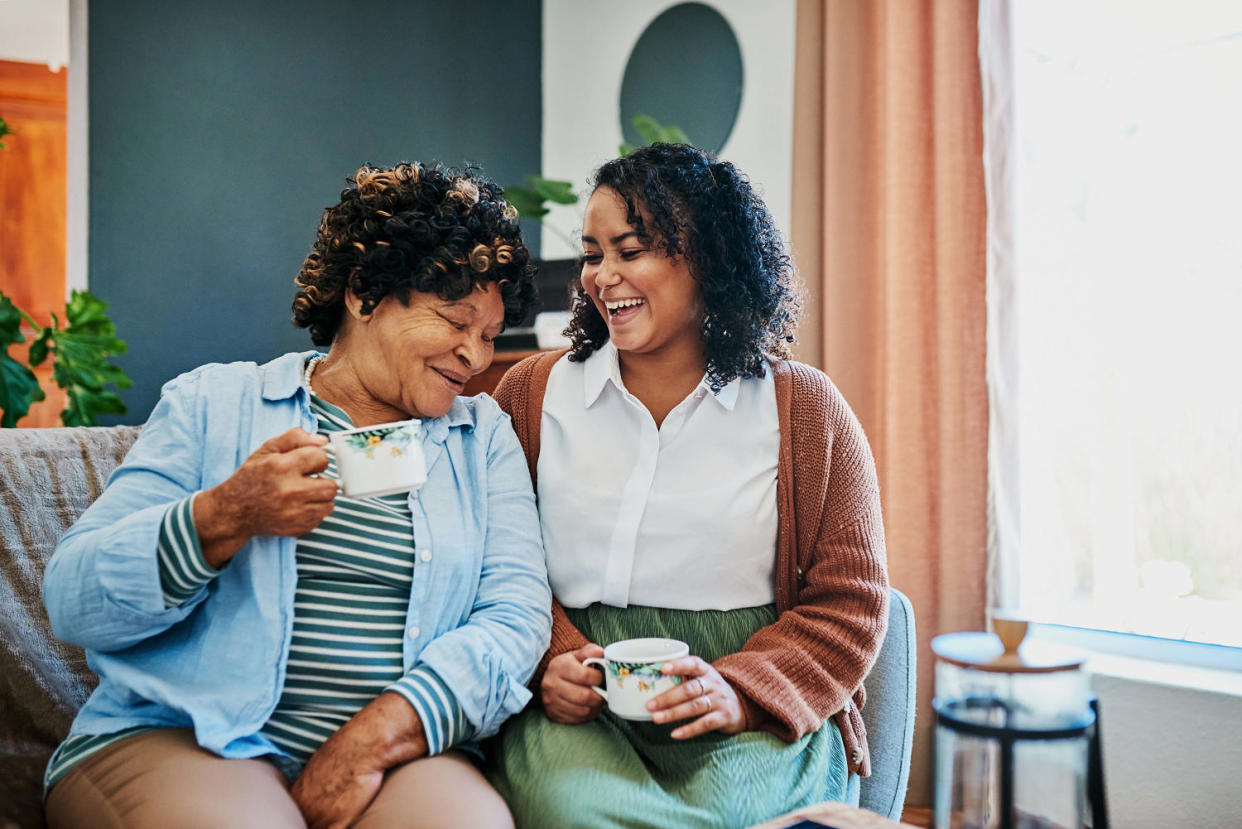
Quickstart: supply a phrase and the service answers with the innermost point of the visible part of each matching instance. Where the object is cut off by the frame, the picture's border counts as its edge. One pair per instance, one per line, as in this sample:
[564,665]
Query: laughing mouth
[616,306]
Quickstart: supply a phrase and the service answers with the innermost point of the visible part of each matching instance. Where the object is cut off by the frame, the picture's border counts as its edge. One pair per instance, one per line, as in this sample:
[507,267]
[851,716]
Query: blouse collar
[604,366]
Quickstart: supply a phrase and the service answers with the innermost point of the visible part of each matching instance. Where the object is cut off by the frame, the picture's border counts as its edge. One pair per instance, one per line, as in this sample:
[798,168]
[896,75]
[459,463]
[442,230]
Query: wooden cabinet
[32,208]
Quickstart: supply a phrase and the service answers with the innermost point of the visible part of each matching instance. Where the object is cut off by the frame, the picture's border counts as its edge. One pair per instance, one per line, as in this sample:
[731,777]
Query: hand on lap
[337,784]
[703,694]
[343,776]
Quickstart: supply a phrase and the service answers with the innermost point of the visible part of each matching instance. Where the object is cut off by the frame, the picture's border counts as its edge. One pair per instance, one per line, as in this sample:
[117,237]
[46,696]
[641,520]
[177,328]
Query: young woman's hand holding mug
[703,693]
[566,687]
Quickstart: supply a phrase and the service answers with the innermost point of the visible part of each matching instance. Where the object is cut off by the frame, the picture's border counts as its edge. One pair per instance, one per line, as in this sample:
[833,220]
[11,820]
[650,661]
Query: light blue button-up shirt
[479,606]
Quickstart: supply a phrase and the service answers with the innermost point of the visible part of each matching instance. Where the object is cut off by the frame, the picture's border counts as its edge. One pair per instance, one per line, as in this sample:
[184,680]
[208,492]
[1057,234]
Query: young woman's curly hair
[408,228]
[694,205]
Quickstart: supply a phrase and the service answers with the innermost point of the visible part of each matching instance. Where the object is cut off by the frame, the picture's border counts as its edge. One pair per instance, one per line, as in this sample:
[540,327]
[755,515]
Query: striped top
[350,607]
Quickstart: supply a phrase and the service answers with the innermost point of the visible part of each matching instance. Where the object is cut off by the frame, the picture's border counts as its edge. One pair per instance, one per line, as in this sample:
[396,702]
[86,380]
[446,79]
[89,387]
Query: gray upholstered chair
[889,715]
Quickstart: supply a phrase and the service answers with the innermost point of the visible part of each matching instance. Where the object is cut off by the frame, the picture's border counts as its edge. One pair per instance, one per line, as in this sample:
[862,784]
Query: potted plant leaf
[80,351]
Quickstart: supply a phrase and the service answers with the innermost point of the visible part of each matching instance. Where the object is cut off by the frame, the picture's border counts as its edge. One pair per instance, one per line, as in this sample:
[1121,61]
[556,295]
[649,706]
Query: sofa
[48,477]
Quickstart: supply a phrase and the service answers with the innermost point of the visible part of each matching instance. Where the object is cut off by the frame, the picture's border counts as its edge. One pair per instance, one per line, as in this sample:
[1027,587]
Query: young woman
[693,483]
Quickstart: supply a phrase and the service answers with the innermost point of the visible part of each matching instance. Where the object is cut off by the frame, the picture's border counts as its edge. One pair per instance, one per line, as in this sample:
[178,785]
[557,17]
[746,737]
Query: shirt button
[425,555]
[412,633]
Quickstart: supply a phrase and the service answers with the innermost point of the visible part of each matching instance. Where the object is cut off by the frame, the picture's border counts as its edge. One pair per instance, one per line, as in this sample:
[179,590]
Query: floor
[918,817]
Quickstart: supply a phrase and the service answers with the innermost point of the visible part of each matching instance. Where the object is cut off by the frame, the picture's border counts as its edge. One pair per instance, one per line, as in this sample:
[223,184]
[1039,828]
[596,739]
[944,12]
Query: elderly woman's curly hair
[408,228]
[694,205]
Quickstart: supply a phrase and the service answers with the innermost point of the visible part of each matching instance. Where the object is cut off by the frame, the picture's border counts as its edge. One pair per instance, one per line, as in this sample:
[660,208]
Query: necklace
[311,365]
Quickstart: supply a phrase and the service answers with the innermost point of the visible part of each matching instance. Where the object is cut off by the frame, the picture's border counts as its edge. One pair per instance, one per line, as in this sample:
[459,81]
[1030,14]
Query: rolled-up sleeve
[444,723]
[487,661]
[102,587]
[183,570]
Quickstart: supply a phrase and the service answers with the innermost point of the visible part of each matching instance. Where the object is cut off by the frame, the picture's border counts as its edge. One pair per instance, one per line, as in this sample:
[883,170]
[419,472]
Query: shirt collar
[282,379]
[604,366]
[598,369]
[461,414]
[727,396]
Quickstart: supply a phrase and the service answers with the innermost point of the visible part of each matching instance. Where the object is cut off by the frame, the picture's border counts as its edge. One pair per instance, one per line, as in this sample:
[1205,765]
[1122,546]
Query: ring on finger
[709,702]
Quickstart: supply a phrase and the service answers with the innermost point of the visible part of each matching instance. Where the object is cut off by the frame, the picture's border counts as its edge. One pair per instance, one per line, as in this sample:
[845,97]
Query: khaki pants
[162,779]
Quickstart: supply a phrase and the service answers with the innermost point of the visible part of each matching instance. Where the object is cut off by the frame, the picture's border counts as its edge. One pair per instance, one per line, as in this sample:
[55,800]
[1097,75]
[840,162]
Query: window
[1114,154]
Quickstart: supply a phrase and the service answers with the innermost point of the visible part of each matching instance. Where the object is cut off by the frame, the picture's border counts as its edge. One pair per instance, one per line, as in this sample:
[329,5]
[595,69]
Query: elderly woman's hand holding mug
[272,493]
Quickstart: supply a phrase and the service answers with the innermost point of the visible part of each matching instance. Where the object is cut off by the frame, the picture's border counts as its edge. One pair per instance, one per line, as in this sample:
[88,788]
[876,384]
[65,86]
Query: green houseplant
[81,350]
[530,197]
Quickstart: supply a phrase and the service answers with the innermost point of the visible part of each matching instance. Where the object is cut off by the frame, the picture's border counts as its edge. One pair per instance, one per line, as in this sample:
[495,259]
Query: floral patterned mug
[380,460]
[632,674]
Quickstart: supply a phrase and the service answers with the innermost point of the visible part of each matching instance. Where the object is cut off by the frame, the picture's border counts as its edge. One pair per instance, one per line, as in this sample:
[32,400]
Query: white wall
[1172,751]
[35,31]
[78,196]
[586,44]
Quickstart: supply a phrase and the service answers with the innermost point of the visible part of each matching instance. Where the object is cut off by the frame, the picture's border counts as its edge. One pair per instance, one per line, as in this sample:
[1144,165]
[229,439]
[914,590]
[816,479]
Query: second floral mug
[632,674]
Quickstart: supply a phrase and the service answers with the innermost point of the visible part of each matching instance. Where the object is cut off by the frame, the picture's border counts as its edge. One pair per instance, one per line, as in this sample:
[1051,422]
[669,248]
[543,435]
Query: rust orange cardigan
[831,574]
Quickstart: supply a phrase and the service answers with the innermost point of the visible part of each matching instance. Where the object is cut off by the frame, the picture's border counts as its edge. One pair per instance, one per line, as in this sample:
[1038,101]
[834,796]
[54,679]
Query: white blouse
[683,516]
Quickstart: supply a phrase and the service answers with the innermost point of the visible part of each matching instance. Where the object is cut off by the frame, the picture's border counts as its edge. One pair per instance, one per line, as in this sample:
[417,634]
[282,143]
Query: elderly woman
[252,627]
[693,483]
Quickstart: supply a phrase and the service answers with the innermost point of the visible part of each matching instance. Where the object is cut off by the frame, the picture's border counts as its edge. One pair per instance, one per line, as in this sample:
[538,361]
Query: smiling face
[412,360]
[649,300]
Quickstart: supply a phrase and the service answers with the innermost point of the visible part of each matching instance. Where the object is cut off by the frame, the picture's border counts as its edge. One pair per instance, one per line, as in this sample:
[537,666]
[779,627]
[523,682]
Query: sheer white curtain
[1113,150]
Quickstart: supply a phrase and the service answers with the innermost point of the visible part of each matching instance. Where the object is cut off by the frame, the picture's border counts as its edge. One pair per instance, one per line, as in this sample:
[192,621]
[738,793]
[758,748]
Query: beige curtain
[889,235]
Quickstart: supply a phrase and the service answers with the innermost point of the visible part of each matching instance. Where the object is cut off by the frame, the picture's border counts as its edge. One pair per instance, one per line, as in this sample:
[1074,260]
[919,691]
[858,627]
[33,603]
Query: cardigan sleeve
[806,667]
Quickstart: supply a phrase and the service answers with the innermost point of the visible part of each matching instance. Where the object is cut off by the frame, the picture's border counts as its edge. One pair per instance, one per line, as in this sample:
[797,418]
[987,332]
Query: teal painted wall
[219,131]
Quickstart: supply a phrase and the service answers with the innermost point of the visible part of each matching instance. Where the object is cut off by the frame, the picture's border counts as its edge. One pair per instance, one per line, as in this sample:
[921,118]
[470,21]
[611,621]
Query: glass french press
[1017,741]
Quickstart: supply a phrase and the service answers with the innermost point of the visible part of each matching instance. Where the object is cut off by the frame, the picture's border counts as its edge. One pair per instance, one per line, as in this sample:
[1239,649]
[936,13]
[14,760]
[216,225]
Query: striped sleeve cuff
[444,724]
[183,571]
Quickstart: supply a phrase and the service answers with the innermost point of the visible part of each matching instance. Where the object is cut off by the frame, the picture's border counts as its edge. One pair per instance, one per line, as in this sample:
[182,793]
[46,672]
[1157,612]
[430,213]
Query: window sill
[1191,665]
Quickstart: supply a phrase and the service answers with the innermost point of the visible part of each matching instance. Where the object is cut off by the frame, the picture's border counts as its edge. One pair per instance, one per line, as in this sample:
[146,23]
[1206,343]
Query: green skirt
[614,772]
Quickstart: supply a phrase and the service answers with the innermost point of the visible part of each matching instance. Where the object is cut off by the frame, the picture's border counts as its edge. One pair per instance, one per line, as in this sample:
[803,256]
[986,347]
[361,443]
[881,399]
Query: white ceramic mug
[632,674]
[380,460]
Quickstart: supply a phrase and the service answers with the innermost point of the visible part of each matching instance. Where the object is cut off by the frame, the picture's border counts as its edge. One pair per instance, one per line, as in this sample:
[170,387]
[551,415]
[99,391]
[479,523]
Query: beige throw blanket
[48,477]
